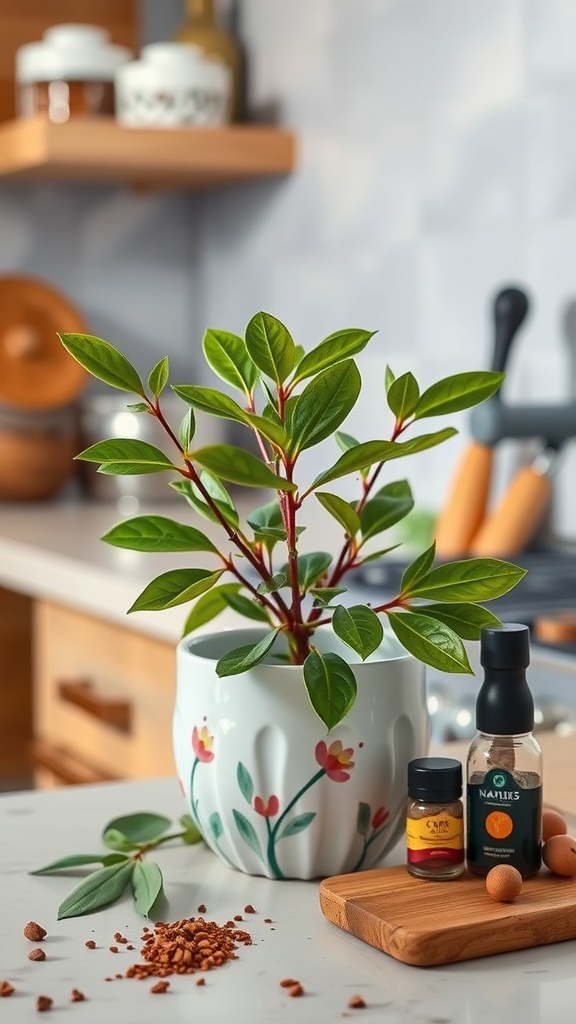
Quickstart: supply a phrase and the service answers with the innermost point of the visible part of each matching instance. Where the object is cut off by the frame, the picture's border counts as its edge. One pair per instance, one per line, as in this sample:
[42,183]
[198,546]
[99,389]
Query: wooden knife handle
[514,520]
[466,503]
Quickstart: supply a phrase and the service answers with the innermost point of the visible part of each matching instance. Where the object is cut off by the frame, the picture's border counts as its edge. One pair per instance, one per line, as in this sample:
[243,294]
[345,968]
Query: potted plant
[292,736]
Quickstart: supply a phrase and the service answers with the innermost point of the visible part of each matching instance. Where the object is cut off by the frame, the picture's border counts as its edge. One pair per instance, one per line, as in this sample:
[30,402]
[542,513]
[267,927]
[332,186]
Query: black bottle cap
[505,647]
[505,706]
[434,779]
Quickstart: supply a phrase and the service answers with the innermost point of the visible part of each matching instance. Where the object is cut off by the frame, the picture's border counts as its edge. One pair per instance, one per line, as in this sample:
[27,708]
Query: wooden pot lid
[36,371]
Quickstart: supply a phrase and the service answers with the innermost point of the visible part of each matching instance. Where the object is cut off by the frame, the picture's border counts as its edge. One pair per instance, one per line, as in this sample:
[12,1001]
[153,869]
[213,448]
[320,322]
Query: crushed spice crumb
[201,981]
[267,920]
[238,917]
[118,975]
[187,946]
[90,944]
[296,990]
[130,946]
[44,1003]
[76,996]
[160,987]
[120,938]
[113,949]
[249,909]
[6,989]
[356,1003]
[202,908]
[36,954]
[288,982]
[35,932]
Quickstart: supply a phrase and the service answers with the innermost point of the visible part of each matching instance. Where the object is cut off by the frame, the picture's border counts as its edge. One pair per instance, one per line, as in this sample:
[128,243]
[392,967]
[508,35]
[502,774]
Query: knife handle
[512,524]
[465,506]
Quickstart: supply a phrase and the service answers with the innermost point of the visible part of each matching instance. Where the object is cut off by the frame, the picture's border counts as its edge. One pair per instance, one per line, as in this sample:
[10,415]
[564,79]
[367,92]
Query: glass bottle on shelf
[201,29]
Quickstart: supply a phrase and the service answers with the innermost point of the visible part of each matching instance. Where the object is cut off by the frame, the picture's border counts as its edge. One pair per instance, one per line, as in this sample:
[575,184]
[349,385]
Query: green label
[504,823]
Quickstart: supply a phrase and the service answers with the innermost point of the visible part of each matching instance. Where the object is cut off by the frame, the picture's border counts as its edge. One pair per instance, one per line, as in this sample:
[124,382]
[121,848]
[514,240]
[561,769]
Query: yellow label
[440,830]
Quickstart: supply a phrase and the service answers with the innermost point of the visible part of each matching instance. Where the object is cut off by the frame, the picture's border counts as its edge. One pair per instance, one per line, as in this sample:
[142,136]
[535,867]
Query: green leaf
[389,379]
[158,378]
[419,568]
[240,467]
[193,496]
[324,595]
[138,407]
[386,508]
[341,510]
[364,455]
[243,658]
[187,429]
[460,391]
[270,346]
[216,827]
[323,405]
[103,361]
[359,628]
[403,395]
[192,834]
[157,533]
[247,832]
[74,861]
[114,839]
[375,555]
[210,401]
[270,429]
[467,620]
[311,566]
[146,885]
[336,347]
[174,587]
[430,641]
[247,607]
[331,686]
[266,516]
[276,582]
[97,890]
[346,441]
[472,579]
[245,782]
[126,456]
[228,356]
[208,606]
[298,824]
[141,827]
[363,818]
[114,858]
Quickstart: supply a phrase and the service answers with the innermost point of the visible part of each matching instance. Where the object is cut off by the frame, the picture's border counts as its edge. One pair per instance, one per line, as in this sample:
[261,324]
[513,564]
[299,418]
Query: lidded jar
[69,73]
[435,818]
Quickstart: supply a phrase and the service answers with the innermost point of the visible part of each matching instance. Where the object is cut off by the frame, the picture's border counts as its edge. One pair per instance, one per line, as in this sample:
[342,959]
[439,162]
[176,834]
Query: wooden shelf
[34,149]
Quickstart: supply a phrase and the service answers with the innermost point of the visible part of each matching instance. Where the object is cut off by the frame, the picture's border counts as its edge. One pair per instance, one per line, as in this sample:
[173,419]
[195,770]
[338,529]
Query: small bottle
[201,29]
[504,769]
[435,818]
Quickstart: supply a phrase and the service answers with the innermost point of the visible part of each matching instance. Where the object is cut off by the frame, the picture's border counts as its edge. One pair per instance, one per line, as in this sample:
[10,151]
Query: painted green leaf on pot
[217,492]
[323,405]
[403,394]
[467,620]
[240,467]
[174,587]
[103,361]
[157,533]
[247,607]
[298,824]
[430,641]
[359,628]
[228,356]
[141,827]
[158,378]
[460,391]
[215,825]
[341,510]
[247,832]
[146,885]
[270,346]
[472,579]
[97,890]
[336,347]
[126,456]
[210,401]
[245,782]
[419,568]
[243,658]
[391,504]
[208,606]
[363,818]
[331,686]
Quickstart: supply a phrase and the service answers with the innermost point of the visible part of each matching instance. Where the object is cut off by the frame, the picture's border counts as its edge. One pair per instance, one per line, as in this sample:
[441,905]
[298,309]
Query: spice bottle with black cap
[504,767]
[435,818]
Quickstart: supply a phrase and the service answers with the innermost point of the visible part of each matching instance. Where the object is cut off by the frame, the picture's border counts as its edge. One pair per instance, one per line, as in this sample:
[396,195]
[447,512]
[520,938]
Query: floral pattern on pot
[272,796]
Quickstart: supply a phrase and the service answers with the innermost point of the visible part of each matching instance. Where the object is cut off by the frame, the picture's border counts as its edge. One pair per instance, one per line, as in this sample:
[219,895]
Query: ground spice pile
[187,946]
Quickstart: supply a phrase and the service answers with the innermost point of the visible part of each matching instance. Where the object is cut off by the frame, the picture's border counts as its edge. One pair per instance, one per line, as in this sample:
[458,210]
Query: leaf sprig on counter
[290,401]
[131,838]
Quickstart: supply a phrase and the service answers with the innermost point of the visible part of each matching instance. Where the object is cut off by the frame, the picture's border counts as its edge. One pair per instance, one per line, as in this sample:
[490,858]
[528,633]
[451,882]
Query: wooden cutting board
[428,923]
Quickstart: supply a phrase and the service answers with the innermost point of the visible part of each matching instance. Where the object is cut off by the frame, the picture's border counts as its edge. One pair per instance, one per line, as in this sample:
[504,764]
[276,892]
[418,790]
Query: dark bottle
[504,769]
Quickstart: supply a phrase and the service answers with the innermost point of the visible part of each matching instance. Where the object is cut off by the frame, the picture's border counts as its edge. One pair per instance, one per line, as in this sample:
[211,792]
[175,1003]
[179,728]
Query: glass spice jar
[435,818]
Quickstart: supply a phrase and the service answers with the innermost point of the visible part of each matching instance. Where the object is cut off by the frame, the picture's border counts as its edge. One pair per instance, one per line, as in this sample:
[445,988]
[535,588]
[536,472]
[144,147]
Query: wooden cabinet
[103,699]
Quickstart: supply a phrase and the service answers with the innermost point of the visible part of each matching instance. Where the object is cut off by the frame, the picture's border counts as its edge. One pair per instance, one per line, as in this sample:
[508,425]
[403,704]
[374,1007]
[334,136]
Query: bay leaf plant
[291,400]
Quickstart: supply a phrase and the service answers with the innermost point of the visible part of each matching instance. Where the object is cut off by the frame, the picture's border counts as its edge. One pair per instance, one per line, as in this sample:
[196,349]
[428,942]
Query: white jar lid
[171,54]
[70,52]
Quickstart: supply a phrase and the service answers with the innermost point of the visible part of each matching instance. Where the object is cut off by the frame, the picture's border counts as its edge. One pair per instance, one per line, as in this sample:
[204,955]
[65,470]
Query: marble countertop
[536,986]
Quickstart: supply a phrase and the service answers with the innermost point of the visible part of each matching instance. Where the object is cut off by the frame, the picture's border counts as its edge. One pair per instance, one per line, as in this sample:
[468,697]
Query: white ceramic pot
[271,792]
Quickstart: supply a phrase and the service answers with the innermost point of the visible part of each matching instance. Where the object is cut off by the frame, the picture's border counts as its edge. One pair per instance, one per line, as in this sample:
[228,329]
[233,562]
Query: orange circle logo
[499,825]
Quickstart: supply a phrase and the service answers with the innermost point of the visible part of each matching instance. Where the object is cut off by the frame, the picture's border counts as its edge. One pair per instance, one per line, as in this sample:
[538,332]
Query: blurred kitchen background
[435,165]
